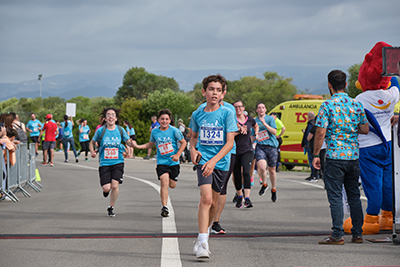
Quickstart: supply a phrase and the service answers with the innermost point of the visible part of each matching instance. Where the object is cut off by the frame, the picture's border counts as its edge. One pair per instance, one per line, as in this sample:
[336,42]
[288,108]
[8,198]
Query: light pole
[40,79]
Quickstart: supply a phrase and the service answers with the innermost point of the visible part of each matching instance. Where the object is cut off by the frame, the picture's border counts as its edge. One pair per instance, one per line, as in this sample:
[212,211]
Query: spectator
[20,128]
[340,121]
[60,136]
[305,145]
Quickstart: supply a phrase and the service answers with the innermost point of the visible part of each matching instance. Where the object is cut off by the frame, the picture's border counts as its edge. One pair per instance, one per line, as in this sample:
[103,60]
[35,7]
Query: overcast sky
[61,37]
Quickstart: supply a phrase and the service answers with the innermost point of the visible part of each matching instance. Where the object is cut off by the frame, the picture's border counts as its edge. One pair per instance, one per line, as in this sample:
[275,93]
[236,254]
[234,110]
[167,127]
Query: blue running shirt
[264,136]
[68,129]
[111,147]
[34,126]
[84,135]
[212,128]
[167,144]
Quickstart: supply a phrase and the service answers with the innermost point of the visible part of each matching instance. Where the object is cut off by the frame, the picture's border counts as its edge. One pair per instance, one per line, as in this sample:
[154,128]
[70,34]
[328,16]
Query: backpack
[104,131]
[22,136]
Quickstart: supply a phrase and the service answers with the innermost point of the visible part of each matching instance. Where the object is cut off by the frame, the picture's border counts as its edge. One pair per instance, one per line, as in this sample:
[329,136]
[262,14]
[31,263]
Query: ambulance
[293,115]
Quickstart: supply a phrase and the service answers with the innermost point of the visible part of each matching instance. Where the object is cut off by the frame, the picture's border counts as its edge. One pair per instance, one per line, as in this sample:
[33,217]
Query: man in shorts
[266,150]
[214,127]
[49,139]
[111,167]
[166,138]
[33,127]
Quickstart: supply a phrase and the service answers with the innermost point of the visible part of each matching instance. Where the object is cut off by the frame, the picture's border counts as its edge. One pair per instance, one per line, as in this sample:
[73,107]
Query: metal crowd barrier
[22,174]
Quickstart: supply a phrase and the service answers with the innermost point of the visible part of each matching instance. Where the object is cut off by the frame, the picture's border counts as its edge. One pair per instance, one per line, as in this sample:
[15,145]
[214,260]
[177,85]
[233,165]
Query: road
[66,224]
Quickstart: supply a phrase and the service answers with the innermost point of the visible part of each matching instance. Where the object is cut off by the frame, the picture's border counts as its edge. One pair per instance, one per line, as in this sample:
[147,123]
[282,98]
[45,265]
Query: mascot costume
[379,96]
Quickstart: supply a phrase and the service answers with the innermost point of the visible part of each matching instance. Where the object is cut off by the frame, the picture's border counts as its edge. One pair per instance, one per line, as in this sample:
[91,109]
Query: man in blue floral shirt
[340,120]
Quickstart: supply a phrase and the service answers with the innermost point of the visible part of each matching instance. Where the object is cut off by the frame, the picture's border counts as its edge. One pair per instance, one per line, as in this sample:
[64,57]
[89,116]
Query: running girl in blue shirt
[84,131]
[166,138]
[111,167]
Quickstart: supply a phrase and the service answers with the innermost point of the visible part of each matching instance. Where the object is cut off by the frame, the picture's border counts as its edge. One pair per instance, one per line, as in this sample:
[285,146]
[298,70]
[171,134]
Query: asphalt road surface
[66,224]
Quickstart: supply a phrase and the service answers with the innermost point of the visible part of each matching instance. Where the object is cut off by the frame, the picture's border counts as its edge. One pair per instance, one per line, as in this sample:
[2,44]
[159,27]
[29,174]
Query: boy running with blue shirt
[111,167]
[166,138]
[214,127]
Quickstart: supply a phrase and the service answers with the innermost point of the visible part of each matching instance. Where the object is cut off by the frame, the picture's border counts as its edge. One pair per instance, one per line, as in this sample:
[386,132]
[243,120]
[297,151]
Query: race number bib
[36,129]
[111,153]
[263,135]
[165,148]
[85,137]
[211,136]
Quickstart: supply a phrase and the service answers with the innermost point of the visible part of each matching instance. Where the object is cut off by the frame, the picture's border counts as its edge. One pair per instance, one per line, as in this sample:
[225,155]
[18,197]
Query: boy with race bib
[111,169]
[214,126]
[166,138]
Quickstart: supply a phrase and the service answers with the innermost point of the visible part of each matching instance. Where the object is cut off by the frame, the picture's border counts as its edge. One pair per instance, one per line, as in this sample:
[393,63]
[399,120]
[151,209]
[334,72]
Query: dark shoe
[105,194]
[110,211]
[66,161]
[164,212]
[77,160]
[234,200]
[331,240]
[273,196]
[308,178]
[217,229]
[239,202]
[247,203]
[147,157]
[262,190]
[357,239]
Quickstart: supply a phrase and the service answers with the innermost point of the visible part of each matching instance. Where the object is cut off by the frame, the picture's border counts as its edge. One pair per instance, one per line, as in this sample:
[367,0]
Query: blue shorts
[267,153]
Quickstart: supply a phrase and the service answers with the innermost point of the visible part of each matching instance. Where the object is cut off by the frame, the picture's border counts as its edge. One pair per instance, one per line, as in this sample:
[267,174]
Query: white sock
[203,238]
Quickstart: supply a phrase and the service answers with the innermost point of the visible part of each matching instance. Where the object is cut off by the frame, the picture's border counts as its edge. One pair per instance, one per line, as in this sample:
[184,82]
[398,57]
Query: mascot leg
[370,227]
[386,220]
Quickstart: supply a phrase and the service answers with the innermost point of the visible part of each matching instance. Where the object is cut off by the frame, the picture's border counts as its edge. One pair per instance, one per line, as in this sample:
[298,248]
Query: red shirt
[51,129]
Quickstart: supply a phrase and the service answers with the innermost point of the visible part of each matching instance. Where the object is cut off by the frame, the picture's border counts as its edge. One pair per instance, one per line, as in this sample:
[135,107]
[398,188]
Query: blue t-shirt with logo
[84,135]
[111,147]
[68,129]
[167,144]
[264,136]
[34,126]
[226,105]
[212,128]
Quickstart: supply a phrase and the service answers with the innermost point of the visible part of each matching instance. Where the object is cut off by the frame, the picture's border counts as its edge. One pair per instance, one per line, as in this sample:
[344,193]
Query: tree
[138,83]
[272,90]
[177,102]
[352,90]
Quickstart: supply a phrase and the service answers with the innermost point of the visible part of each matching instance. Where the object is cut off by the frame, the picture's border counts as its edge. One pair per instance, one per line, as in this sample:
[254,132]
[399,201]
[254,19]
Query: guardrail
[23,174]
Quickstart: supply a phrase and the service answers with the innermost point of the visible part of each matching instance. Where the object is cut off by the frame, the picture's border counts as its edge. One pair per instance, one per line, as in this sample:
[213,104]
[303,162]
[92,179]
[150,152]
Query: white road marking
[170,254]
[313,184]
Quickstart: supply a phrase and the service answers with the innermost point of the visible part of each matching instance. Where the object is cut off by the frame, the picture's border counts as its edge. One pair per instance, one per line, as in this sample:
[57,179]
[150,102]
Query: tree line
[143,94]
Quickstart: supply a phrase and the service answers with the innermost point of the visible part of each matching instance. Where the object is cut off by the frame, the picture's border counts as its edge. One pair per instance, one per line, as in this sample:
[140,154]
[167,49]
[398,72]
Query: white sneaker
[202,251]
[196,247]
[7,199]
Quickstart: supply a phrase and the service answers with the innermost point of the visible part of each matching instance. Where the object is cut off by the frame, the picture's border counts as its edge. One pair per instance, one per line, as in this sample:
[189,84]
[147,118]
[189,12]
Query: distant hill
[309,79]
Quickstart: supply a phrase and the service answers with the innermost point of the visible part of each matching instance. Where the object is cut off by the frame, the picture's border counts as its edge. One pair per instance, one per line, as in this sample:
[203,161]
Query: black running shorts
[172,170]
[113,172]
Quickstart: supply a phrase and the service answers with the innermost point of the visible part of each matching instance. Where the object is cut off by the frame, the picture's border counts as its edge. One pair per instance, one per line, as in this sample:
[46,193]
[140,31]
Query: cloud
[56,37]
